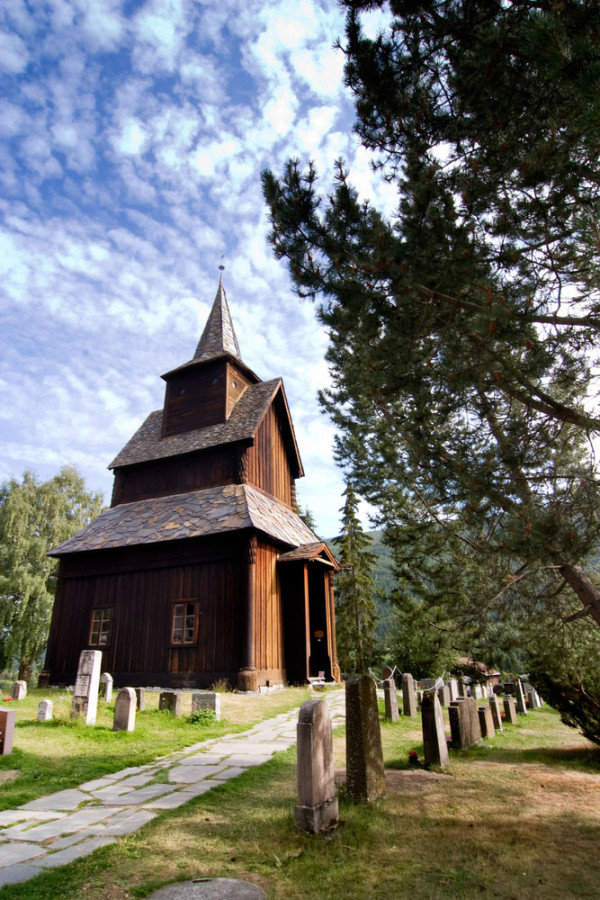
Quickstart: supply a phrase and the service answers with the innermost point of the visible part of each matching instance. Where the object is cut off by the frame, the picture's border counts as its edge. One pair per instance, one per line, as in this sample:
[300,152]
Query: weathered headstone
[435,745]
[44,713]
[317,807]
[462,687]
[85,692]
[19,690]
[534,700]
[444,695]
[106,681]
[510,710]
[125,704]
[520,698]
[170,700]
[496,713]
[464,723]
[386,673]
[207,700]
[477,690]
[409,697]
[7,730]
[453,688]
[140,694]
[427,684]
[391,699]
[486,722]
[365,778]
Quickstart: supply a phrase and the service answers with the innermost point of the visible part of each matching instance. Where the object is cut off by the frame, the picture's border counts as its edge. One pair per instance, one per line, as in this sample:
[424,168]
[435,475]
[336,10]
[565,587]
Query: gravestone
[496,713]
[427,684]
[534,700]
[85,692]
[435,745]
[386,673]
[317,807]
[44,713]
[452,684]
[140,694]
[486,722]
[7,730]
[409,697]
[207,700]
[477,691]
[391,699]
[365,778]
[464,723]
[107,681]
[124,719]
[170,700]
[19,690]
[510,710]
[444,695]
[520,698]
[462,687]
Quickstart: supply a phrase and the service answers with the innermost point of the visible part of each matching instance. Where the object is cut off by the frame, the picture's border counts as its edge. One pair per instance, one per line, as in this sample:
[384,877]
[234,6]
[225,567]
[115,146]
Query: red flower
[7,699]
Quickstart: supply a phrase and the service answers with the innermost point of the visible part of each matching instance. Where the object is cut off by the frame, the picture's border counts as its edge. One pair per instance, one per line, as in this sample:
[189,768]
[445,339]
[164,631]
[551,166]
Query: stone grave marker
[409,696]
[391,699]
[464,723]
[317,807]
[19,690]
[510,710]
[365,778]
[85,692]
[435,746]
[486,722]
[452,684]
[386,673]
[520,698]
[444,695]
[170,700]
[207,700]
[106,681]
[44,713]
[496,714]
[126,702]
[140,694]
[462,687]
[7,730]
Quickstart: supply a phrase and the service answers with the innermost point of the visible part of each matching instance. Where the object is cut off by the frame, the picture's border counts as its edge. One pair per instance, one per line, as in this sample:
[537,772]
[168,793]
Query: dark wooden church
[201,569]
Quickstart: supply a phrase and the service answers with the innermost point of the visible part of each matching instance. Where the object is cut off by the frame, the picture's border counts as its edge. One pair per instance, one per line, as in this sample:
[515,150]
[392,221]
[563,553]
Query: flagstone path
[57,829]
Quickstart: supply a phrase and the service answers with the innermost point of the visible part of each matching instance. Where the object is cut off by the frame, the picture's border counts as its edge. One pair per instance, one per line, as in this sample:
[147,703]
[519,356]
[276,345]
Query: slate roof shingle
[147,443]
[211,511]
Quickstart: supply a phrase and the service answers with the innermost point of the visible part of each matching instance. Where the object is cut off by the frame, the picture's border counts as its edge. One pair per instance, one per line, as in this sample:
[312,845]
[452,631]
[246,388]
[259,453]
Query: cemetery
[349,811]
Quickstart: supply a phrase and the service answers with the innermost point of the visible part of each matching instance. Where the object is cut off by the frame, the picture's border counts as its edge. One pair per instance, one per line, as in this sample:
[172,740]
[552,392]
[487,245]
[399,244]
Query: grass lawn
[516,817]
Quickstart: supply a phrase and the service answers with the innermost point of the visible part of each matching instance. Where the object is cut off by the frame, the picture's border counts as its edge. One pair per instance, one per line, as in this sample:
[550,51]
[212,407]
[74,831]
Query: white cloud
[13,53]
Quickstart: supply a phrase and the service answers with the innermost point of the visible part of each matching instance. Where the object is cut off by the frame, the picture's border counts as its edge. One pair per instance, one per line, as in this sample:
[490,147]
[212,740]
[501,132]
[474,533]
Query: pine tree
[463,328]
[354,592]
[35,517]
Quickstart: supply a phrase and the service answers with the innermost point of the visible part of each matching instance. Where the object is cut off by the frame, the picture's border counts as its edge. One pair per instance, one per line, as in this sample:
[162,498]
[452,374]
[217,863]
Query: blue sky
[132,136]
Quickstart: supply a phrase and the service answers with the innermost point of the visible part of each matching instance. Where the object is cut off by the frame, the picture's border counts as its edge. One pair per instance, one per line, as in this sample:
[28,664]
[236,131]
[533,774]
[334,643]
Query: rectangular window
[100,628]
[185,623]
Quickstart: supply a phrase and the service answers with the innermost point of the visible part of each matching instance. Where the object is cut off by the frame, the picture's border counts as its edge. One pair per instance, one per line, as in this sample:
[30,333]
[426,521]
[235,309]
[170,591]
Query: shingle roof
[316,551]
[218,337]
[198,514]
[147,443]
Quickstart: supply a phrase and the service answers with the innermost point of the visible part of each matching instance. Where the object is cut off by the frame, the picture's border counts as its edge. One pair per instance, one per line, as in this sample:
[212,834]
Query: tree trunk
[586,590]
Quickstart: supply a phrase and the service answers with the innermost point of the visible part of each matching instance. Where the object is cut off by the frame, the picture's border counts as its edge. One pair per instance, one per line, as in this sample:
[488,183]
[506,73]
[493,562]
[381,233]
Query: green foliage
[34,518]
[202,717]
[463,327]
[307,517]
[354,592]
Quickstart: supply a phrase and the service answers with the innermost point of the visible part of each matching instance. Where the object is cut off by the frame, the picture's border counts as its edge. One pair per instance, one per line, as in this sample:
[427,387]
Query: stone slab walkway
[57,829]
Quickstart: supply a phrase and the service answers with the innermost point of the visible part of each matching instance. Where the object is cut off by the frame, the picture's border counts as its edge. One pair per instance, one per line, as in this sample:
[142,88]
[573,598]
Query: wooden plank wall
[268,463]
[269,653]
[141,601]
[177,475]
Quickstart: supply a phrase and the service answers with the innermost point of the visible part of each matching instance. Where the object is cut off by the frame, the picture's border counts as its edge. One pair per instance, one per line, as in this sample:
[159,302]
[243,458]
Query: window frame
[102,616]
[191,639]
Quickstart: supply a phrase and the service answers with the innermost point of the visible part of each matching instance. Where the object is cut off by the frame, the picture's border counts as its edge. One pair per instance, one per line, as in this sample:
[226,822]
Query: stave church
[201,571]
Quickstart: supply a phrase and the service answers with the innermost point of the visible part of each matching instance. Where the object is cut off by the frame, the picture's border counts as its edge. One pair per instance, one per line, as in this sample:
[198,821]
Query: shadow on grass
[581,758]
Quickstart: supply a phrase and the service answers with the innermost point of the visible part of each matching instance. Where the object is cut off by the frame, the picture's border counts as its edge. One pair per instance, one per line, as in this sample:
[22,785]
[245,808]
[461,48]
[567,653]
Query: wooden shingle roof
[211,511]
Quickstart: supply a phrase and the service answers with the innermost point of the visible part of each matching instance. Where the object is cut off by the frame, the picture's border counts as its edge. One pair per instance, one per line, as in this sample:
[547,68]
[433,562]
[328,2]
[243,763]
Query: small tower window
[215,381]
[181,392]
[234,384]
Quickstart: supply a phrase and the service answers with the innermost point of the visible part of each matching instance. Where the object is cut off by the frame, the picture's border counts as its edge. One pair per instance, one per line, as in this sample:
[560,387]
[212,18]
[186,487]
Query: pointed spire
[218,337]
